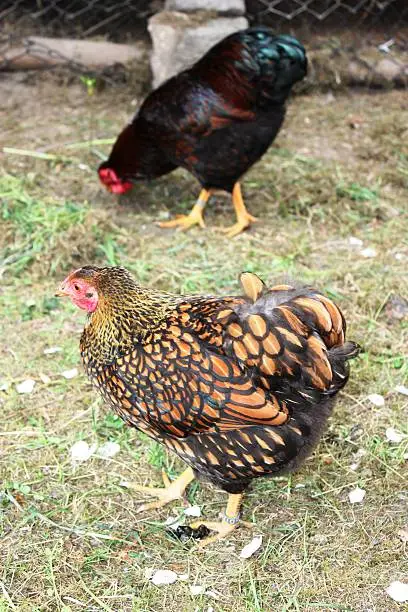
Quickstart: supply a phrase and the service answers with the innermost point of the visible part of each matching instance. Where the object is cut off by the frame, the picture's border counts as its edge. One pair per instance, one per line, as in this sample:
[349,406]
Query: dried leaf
[398,591]
[26,386]
[396,308]
[376,399]
[163,577]
[356,496]
[251,548]
[45,378]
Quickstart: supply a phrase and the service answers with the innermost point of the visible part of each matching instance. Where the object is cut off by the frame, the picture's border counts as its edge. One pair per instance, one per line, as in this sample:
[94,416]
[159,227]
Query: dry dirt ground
[331,198]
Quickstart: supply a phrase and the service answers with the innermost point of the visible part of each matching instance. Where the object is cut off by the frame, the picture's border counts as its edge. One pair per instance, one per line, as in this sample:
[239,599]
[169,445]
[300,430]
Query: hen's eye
[76,287]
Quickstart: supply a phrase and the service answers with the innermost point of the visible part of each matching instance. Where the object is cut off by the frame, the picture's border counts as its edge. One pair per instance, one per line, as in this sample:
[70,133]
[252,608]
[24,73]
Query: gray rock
[388,68]
[179,40]
[223,7]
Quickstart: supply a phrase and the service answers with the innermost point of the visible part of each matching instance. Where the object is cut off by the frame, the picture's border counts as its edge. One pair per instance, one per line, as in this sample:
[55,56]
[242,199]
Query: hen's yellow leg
[229,522]
[184,222]
[244,219]
[172,490]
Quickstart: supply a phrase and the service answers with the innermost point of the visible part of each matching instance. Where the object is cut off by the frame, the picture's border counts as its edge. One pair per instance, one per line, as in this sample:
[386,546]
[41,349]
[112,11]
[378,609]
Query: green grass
[71,537]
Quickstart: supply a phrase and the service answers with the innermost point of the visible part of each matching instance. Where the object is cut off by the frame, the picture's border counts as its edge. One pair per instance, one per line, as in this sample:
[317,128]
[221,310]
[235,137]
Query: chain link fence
[363,42]
[367,12]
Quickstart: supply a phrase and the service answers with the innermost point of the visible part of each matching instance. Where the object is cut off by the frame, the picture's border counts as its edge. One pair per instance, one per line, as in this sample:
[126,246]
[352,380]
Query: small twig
[94,597]
[89,143]
[36,154]
[81,532]
[75,530]
[7,596]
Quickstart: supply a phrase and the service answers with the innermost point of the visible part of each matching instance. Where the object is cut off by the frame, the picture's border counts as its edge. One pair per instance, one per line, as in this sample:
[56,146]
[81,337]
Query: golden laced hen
[238,387]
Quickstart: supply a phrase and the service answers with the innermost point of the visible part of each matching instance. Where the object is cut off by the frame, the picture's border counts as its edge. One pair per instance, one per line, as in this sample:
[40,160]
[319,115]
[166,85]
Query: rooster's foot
[238,227]
[184,222]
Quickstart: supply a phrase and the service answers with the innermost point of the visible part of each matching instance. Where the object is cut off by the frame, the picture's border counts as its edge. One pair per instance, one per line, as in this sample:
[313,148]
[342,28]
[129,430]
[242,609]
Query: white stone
[172,522]
[369,252]
[163,577]
[398,591]
[26,386]
[108,450]
[394,436]
[376,399]
[52,349]
[225,7]
[356,496]
[251,548]
[193,511]
[353,241]
[196,589]
[179,40]
[402,389]
[81,451]
[68,374]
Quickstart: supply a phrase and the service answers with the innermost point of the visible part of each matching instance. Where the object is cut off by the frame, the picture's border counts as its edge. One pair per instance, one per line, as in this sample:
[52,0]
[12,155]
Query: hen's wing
[221,365]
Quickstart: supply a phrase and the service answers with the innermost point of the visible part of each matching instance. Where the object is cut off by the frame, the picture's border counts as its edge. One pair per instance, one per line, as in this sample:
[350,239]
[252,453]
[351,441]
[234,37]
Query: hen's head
[81,287]
[90,285]
[112,181]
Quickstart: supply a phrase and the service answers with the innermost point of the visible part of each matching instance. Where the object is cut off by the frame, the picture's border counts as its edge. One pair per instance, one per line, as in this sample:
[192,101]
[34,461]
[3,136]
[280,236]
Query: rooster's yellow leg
[244,219]
[229,522]
[172,490]
[184,222]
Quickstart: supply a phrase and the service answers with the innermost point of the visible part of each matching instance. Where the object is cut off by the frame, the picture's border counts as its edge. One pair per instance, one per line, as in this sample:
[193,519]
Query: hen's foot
[230,521]
[223,530]
[172,490]
[184,222]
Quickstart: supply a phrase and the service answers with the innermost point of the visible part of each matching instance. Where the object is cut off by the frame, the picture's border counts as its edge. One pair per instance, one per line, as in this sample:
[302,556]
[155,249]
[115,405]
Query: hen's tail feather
[290,337]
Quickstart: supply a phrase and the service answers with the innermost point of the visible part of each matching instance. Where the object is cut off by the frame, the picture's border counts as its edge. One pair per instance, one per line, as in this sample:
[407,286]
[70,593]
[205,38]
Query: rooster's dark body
[215,119]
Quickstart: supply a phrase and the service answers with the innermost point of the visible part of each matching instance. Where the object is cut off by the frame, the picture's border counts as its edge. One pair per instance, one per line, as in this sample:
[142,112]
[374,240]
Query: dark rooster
[238,387]
[215,119]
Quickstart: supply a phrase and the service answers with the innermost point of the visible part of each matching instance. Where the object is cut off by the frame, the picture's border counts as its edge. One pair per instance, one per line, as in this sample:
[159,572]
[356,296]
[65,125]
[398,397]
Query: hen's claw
[172,490]
[223,528]
[230,521]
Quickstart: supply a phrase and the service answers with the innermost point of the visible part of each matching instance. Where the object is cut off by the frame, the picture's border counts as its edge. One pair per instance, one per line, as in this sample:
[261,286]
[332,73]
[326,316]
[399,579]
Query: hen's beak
[62,292]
